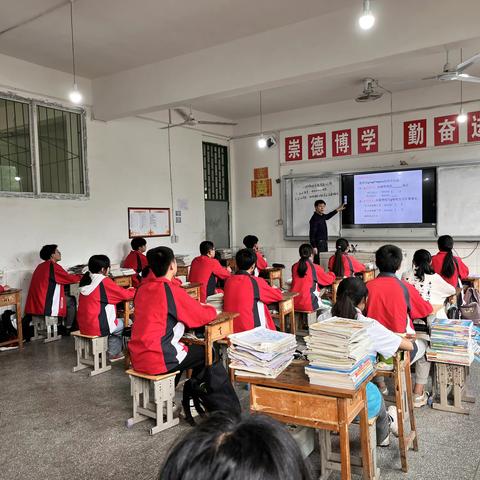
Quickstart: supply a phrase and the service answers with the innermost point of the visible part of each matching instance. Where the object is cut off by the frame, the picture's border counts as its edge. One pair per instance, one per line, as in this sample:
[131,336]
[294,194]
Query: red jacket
[249,296]
[437,263]
[162,310]
[2,288]
[386,303]
[349,263]
[46,295]
[306,286]
[207,271]
[97,314]
[262,263]
[137,261]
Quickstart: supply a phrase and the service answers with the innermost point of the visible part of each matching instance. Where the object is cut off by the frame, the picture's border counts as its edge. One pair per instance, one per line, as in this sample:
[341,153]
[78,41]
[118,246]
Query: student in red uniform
[342,264]
[395,304]
[97,314]
[162,311]
[46,295]
[136,259]
[206,269]
[450,268]
[251,241]
[249,295]
[308,280]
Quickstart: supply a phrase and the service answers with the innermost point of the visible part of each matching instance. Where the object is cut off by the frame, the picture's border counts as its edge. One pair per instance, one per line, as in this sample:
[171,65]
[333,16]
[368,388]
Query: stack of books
[217,301]
[261,352]
[122,272]
[338,353]
[183,260]
[225,253]
[451,341]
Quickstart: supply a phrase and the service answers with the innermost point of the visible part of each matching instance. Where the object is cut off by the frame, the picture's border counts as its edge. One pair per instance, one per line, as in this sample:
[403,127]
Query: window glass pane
[215,172]
[60,151]
[15,153]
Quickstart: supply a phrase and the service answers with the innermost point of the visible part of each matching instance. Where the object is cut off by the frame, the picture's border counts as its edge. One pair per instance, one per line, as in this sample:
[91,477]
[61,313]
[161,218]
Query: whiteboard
[457,198]
[300,194]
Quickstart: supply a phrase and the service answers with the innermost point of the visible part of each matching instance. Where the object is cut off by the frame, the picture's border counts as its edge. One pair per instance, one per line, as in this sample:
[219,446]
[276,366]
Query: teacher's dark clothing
[319,231]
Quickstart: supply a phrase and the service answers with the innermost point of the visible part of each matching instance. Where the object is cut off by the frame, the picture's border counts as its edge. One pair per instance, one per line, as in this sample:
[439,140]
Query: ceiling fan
[370,92]
[190,121]
[458,72]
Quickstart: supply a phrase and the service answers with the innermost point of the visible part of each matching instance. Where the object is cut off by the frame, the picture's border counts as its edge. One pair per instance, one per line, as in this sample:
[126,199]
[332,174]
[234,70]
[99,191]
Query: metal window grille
[215,172]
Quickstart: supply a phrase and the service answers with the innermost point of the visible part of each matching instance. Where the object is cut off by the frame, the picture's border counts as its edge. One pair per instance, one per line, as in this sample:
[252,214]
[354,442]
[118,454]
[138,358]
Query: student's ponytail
[341,246]
[96,264]
[85,280]
[350,292]
[305,251]
[445,244]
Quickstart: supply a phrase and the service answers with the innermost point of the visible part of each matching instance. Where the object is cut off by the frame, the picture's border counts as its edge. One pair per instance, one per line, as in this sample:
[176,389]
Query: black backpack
[211,391]
[7,330]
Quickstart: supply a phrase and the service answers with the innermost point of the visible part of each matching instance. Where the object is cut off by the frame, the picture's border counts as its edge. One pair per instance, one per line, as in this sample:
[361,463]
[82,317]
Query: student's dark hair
[341,246]
[47,251]
[388,258]
[95,265]
[228,447]
[245,258]
[206,246]
[138,242]
[250,240]
[319,202]
[445,244]
[159,259]
[422,260]
[305,251]
[350,292]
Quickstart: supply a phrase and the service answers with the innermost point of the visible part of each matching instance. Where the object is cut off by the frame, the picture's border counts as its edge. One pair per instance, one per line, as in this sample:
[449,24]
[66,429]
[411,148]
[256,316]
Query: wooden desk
[473,282]
[193,289]
[126,282]
[232,263]
[182,270]
[286,307]
[13,297]
[273,274]
[290,398]
[368,275]
[218,329]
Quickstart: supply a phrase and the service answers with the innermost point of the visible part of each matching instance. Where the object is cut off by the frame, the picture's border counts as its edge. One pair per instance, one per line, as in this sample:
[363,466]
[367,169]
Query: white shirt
[433,288]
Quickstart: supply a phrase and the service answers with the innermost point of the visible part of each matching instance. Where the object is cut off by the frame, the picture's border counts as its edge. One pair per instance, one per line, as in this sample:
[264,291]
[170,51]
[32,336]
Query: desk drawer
[9,299]
[123,281]
[286,306]
[220,330]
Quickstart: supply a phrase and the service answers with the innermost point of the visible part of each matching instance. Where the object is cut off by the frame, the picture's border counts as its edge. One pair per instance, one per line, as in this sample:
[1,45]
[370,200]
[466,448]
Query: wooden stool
[91,352]
[402,379]
[163,395]
[449,377]
[332,460]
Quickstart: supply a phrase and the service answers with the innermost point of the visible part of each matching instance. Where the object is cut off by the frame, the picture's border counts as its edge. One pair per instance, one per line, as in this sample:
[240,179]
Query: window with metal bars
[215,172]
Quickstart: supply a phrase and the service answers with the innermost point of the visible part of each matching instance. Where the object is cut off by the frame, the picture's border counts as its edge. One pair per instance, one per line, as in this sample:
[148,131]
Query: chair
[91,352]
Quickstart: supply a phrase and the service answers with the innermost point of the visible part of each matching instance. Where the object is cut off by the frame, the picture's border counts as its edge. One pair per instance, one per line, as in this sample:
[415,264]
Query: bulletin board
[148,222]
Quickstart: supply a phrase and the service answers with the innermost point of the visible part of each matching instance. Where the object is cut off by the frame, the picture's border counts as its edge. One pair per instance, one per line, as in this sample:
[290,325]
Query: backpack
[470,308]
[7,330]
[211,391]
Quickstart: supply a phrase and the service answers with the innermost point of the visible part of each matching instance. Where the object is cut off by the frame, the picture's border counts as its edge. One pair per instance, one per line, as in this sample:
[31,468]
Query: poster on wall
[148,222]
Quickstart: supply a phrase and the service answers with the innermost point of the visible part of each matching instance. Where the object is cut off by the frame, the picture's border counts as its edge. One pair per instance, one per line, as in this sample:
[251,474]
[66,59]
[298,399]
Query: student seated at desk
[351,296]
[136,259]
[206,269]
[162,311]
[97,314]
[308,280]
[251,242]
[248,295]
[395,304]
[46,295]
[451,268]
[342,264]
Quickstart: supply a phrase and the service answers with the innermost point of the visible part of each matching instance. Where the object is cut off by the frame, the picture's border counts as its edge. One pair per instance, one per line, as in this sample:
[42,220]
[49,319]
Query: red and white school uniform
[351,265]
[387,303]
[207,271]
[162,310]
[249,296]
[137,261]
[309,286]
[262,264]
[461,270]
[46,295]
[97,314]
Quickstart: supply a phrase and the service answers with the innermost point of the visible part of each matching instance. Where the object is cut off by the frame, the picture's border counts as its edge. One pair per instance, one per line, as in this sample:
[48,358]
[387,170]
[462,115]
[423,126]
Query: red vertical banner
[368,139]
[473,127]
[293,148]
[317,145]
[415,134]
[342,142]
[445,130]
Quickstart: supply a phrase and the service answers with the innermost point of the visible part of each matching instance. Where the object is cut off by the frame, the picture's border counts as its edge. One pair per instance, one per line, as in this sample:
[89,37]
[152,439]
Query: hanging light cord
[261,114]
[73,44]
[461,84]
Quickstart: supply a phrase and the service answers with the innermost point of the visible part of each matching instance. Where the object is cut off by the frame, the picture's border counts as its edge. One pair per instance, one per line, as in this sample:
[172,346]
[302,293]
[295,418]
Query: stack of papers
[451,341]
[217,301]
[183,260]
[261,352]
[78,269]
[225,253]
[122,272]
[338,353]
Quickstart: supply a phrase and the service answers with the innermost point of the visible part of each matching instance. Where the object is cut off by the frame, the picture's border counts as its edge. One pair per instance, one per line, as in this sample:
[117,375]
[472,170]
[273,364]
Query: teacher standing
[318,228]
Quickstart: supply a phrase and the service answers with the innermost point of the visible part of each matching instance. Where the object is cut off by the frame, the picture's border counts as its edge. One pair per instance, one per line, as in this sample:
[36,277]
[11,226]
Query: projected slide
[388,197]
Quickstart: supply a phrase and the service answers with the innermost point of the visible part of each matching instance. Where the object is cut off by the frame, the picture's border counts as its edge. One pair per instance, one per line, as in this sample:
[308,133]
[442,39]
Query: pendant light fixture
[75,96]
[462,117]
[367,20]
[262,141]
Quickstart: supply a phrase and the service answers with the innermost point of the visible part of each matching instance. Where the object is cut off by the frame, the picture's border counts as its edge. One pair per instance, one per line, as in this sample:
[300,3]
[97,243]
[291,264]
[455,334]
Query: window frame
[35,151]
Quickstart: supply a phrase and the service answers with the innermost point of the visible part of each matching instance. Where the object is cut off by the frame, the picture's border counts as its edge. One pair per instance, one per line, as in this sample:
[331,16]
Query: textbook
[217,301]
